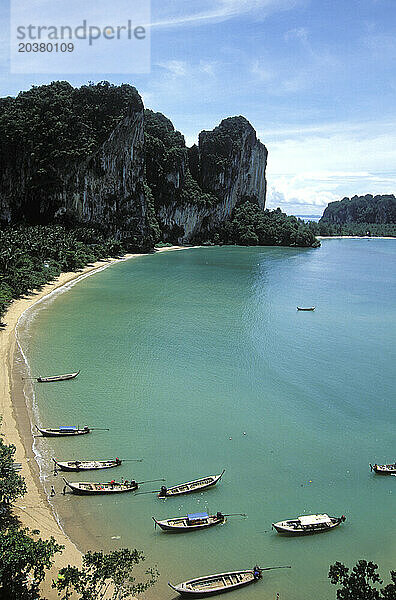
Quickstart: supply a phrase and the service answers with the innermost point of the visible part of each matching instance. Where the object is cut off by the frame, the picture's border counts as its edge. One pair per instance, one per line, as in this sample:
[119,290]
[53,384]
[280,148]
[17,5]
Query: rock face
[109,187]
[93,155]
[229,166]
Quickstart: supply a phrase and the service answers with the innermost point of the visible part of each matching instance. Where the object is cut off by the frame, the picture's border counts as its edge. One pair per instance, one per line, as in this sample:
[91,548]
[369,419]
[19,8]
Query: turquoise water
[182,353]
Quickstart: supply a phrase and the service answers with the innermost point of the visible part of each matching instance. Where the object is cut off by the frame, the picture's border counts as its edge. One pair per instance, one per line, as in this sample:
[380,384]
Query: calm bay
[198,360]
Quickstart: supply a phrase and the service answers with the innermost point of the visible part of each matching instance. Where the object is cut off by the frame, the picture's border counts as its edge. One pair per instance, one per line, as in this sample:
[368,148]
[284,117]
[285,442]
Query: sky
[316,78]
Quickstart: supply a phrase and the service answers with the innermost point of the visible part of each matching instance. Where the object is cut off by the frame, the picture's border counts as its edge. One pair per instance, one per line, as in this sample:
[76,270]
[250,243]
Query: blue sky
[316,78]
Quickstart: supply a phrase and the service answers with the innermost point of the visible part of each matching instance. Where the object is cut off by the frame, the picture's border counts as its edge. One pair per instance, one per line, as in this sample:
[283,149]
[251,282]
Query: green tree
[104,574]
[361,583]
[12,485]
[23,563]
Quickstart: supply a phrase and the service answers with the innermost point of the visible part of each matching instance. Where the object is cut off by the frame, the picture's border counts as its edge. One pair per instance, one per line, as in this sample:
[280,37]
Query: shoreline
[354,237]
[35,510]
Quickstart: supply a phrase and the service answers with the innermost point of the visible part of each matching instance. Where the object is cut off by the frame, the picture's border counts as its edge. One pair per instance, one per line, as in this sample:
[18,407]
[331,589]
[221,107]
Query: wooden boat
[86,465]
[64,431]
[57,377]
[307,308]
[384,469]
[190,486]
[308,524]
[210,585]
[191,522]
[85,488]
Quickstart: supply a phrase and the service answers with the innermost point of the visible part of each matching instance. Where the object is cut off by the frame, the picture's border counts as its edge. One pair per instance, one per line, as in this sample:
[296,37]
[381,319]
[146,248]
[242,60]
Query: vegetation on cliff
[168,171]
[252,226]
[49,129]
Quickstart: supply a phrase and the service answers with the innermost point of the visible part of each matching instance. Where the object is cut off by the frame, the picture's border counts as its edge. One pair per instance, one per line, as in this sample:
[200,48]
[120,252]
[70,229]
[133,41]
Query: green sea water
[197,360]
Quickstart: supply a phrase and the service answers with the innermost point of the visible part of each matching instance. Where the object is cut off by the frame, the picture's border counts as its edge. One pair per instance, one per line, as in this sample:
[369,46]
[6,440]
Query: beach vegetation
[250,225]
[33,255]
[12,485]
[107,576]
[25,558]
[361,582]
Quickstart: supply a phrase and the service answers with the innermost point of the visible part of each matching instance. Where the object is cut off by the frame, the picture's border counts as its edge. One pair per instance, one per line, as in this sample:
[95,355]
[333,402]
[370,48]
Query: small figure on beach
[52,494]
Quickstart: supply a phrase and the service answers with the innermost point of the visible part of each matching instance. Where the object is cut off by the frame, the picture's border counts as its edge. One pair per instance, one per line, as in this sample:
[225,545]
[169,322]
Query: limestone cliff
[92,155]
[228,166]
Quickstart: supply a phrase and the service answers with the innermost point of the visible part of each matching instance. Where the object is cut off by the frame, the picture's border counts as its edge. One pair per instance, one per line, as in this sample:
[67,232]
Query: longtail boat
[211,585]
[191,522]
[86,465]
[306,308]
[384,469]
[57,377]
[68,430]
[190,486]
[63,431]
[308,524]
[84,488]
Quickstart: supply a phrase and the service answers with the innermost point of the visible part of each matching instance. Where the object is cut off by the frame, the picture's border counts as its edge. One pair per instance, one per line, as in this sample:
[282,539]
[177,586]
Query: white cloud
[316,165]
[219,10]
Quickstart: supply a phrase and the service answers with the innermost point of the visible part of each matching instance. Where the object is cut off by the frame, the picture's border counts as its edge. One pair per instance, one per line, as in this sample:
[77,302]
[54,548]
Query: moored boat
[191,486]
[306,308]
[57,377]
[210,585]
[308,524]
[86,488]
[190,522]
[384,469]
[86,465]
[63,431]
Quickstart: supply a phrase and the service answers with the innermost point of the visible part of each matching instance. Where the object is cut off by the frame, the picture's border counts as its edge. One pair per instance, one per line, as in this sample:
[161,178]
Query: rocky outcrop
[361,209]
[229,166]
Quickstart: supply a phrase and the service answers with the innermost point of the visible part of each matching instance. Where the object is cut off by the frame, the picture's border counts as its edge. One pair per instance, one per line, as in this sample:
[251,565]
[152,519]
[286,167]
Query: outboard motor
[163,490]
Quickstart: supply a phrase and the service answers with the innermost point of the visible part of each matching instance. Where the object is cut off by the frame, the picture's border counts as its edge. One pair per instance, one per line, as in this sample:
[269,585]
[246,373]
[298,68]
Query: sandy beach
[33,509]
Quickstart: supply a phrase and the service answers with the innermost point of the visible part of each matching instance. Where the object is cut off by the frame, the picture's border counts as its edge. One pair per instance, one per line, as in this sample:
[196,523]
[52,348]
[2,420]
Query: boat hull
[384,469]
[63,466]
[57,433]
[247,579]
[57,378]
[182,529]
[289,532]
[100,490]
[184,488]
